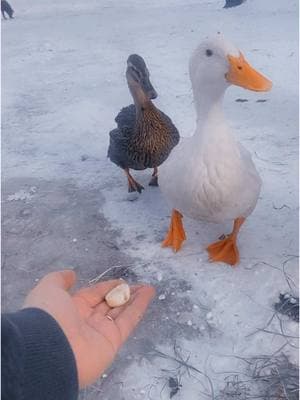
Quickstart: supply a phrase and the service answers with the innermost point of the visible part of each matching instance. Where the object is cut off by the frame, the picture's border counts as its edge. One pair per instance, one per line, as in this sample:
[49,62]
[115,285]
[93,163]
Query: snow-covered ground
[63,64]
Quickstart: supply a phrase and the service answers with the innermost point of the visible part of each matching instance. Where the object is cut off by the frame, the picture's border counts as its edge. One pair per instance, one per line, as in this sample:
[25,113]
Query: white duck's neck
[208,104]
[213,135]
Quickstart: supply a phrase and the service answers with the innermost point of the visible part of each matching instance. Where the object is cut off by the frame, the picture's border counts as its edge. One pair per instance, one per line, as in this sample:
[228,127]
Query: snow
[22,195]
[63,83]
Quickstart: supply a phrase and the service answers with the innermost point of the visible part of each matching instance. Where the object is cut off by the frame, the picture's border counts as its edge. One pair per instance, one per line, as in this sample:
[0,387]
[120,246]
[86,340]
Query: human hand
[94,337]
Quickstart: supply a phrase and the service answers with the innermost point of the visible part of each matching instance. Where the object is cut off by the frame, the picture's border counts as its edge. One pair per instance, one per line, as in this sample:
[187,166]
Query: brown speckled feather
[142,142]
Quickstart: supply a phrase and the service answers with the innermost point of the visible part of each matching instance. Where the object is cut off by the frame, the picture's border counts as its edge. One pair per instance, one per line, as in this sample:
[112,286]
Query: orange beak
[242,74]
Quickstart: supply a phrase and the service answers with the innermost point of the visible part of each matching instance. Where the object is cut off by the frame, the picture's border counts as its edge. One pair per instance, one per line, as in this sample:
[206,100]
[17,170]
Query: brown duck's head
[137,75]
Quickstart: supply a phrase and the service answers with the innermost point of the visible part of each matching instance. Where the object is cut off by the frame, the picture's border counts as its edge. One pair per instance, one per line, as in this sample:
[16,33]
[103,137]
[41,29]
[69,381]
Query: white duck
[211,176]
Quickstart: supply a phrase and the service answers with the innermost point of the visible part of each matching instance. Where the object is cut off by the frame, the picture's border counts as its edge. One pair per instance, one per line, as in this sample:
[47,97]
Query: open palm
[94,330]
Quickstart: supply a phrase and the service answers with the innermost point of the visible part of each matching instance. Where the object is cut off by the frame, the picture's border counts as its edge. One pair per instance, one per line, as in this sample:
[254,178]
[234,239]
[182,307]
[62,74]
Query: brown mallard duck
[145,136]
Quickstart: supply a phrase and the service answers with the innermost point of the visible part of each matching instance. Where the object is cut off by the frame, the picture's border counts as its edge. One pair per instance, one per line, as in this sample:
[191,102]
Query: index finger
[64,279]
[93,295]
[133,313]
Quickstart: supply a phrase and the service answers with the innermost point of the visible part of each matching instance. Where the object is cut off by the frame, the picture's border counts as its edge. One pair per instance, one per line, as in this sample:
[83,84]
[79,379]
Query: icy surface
[63,83]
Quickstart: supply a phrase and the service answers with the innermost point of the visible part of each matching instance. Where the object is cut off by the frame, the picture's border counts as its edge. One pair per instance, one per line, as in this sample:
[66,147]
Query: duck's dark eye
[240,67]
[209,52]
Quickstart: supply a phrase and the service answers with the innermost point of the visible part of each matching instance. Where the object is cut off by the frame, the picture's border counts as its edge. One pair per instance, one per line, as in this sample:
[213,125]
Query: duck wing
[118,146]
[119,137]
[126,117]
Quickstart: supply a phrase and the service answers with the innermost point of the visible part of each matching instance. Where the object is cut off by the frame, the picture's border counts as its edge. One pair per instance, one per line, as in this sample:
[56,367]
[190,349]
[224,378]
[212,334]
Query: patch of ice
[159,276]
[209,316]
[21,195]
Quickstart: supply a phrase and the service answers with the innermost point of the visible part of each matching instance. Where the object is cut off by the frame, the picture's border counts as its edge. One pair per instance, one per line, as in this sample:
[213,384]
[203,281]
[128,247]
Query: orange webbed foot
[224,250]
[176,234]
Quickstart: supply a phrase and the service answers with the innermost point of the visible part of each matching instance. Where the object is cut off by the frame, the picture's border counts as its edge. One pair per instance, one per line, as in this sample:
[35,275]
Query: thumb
[63,279]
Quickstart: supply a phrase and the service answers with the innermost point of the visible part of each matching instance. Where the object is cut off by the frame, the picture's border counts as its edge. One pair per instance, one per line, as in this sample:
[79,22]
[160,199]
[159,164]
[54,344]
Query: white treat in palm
[118,295]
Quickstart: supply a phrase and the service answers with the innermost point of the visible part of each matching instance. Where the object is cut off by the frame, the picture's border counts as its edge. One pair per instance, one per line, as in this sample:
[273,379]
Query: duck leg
[154,179]
[133,185]
[226,250]
[176,233]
